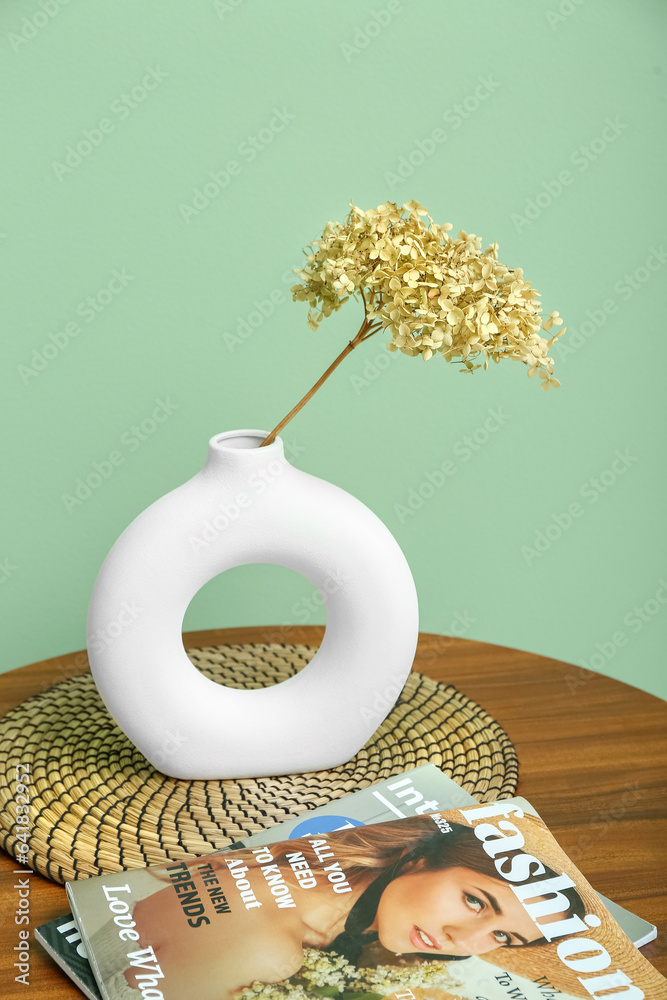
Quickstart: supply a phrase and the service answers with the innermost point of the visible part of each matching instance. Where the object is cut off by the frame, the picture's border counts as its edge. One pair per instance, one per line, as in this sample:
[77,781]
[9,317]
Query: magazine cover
[474,903]
[62,940]
[419,790]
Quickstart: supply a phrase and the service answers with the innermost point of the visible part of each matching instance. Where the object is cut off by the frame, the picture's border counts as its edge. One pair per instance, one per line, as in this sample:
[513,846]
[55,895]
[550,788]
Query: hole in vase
[256,594]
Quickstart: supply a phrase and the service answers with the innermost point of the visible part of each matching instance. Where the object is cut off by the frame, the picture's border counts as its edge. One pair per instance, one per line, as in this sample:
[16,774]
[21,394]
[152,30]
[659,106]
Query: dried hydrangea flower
[435,295]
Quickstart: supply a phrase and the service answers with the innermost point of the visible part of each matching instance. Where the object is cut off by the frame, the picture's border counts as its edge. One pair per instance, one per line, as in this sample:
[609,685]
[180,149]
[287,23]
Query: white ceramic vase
[249,505]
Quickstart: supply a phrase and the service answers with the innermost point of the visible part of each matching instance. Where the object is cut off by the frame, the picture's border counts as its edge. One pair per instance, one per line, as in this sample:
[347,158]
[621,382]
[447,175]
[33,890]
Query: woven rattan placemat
[97,805]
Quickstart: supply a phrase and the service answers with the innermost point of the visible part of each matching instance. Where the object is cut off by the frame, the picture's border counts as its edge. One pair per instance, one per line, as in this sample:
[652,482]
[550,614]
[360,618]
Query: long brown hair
[363,851]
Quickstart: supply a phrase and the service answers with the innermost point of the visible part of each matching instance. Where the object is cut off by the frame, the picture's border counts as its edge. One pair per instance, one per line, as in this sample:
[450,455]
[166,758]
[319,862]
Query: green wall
[119,298]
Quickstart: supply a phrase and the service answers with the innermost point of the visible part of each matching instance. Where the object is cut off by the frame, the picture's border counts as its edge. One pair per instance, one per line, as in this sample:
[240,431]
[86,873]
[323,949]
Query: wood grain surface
[592,760]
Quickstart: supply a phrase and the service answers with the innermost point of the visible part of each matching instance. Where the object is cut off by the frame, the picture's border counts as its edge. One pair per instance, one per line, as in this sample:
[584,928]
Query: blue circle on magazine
[323,824]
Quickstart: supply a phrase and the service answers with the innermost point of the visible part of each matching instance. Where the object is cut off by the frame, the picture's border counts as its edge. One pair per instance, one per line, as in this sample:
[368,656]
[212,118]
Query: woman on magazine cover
[414,889]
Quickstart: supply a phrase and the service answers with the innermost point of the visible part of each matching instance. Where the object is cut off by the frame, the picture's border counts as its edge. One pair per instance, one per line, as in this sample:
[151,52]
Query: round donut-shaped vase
[250,505]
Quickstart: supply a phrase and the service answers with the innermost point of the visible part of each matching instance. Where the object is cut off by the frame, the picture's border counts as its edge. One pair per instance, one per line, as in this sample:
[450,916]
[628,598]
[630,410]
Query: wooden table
[592,755]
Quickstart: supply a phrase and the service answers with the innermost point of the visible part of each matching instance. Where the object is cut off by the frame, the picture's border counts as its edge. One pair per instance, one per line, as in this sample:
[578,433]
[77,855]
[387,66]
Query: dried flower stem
[366,330]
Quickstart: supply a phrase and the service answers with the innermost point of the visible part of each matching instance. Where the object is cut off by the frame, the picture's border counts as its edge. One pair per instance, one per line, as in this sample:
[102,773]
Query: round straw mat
[98,806]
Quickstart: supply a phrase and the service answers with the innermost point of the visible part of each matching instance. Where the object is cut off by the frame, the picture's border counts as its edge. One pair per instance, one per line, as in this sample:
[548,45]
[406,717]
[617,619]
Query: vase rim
[244,440]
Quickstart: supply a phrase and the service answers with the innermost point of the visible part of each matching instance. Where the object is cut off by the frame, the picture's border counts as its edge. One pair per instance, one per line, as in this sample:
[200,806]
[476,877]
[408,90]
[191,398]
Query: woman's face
[453,911]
